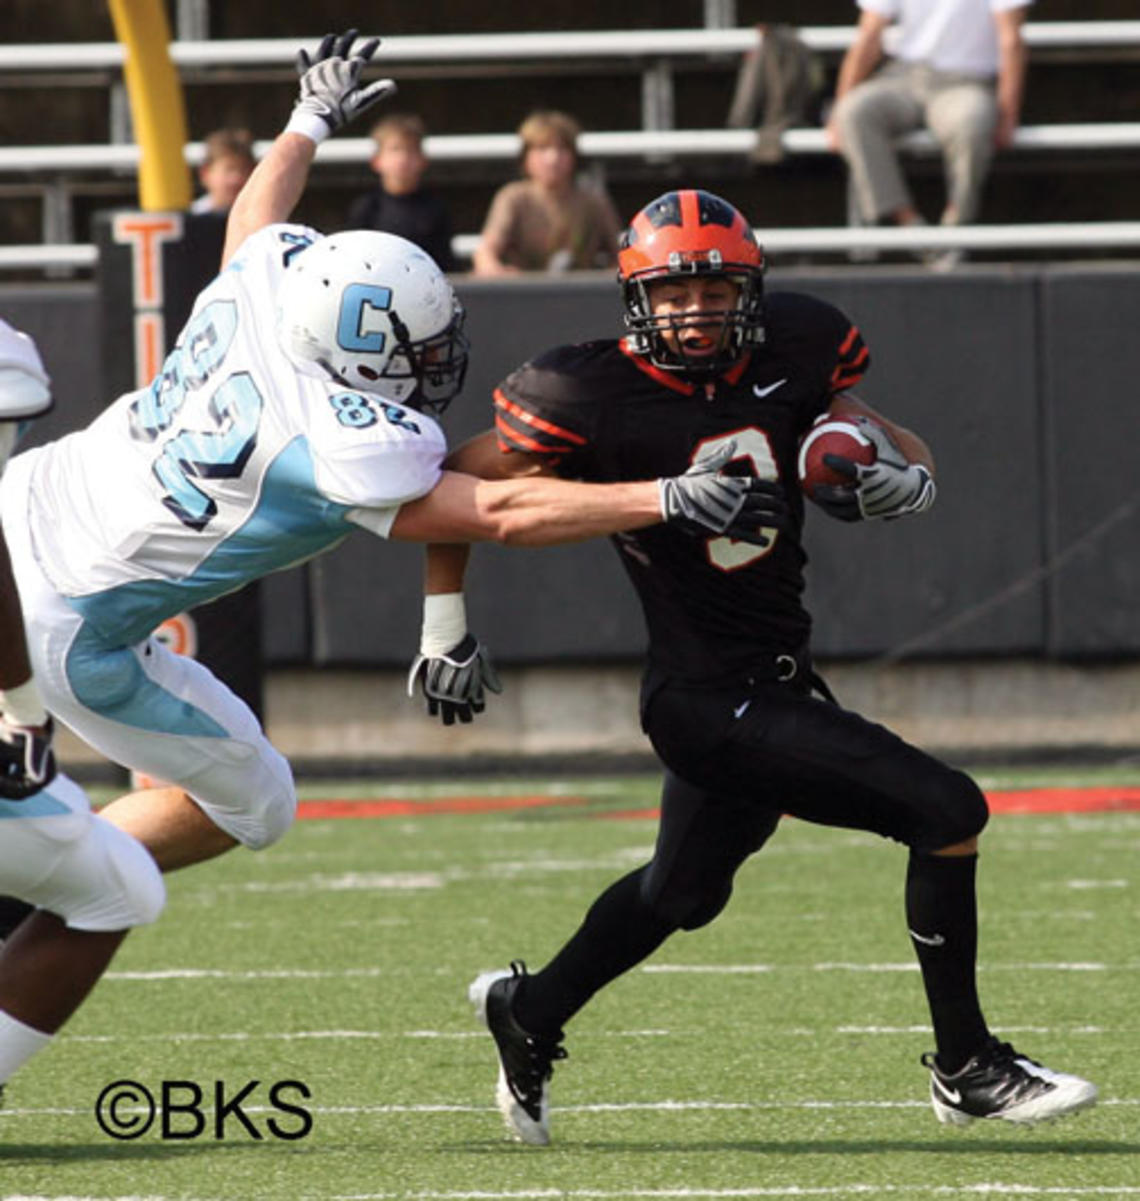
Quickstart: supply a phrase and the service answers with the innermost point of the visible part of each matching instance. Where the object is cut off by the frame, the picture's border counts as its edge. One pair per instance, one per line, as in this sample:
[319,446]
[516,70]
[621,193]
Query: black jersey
[598,412]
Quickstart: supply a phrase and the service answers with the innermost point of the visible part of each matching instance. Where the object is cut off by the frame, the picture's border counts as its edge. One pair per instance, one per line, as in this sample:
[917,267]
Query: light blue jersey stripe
[292,522]
[42,804]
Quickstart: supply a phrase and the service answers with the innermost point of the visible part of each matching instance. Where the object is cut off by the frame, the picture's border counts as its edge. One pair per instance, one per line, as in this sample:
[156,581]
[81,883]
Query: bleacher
[1063,188]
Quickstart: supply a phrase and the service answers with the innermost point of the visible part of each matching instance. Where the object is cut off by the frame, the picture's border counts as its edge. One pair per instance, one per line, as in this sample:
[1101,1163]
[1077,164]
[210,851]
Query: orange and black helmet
[680,234]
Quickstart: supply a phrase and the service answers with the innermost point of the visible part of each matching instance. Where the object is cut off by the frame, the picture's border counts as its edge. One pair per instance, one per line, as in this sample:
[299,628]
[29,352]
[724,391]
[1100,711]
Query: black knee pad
[960,812]
[683,908]
[706,909]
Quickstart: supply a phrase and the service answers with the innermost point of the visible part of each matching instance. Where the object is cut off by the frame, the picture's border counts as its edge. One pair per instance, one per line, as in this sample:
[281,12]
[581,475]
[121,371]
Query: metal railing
[1045,236]
[653,51]
[487,147]
[523,49]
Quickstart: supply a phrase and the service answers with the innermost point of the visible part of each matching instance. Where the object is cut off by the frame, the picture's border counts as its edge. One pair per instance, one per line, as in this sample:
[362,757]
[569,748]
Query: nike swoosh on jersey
[741,709]
[762,392]
[933,940]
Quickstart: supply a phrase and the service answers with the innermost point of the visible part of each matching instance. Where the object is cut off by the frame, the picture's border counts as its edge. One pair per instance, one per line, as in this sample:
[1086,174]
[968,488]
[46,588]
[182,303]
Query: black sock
[620,930]
[12,913]
[942,914]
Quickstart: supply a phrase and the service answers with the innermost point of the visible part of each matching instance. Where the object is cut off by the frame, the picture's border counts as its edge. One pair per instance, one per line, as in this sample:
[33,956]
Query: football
[831,437]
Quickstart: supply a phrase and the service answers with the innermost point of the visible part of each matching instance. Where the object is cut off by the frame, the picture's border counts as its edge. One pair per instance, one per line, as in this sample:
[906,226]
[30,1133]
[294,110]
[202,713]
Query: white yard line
[696,1106]
[691,1194]
[302,1035]
[737,969]
[200,973]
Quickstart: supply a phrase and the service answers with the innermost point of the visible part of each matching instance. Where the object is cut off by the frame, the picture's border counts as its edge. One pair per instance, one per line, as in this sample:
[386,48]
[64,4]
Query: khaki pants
[961,112]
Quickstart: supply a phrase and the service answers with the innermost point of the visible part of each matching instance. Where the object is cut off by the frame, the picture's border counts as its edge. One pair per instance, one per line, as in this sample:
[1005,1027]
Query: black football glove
[453,683]
[889,487]
[330,81]
[765,508]
[26,759]
[703,501]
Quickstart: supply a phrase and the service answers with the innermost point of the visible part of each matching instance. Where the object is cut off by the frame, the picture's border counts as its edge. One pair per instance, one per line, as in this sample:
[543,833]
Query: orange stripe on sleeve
[839,382]
[513,439]
[521,414]
[849,341]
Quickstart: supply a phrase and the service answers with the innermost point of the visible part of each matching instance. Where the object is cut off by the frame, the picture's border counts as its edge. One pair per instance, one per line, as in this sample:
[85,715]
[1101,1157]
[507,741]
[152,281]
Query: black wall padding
[1092,379]
[1021,379]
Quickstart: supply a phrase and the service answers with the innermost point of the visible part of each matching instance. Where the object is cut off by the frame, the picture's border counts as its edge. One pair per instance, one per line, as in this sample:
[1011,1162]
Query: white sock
[18,1043]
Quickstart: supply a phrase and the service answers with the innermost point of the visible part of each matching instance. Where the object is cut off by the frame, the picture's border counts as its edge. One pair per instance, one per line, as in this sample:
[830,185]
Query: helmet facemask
[676,237]
[438,364]
[736,330]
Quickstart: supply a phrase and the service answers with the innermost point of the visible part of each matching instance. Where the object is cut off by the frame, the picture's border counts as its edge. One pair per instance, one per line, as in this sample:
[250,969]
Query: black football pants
[736,760]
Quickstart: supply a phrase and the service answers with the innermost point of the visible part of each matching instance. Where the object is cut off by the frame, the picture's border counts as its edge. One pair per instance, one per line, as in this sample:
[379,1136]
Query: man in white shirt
[295,407]
[956,67]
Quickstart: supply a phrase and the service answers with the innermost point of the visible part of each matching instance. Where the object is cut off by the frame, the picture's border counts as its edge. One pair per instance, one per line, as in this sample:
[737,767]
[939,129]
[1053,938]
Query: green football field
[772,1054]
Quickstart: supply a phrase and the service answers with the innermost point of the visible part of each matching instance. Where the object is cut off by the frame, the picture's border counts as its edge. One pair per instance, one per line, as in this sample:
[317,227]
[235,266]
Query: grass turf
[340,959]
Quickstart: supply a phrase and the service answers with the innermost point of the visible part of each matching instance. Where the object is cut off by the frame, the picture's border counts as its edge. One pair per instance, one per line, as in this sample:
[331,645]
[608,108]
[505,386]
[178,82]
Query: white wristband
[445,623]
[309,125]
[22,705]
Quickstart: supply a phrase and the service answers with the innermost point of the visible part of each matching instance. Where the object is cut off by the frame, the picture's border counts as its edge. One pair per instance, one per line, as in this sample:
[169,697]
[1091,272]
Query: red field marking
[397,807]
[1101,799]
[1064,800]
[1019,800]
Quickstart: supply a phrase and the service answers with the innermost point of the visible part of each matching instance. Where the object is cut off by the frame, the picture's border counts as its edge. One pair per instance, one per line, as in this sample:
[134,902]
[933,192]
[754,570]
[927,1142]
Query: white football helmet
[374,312]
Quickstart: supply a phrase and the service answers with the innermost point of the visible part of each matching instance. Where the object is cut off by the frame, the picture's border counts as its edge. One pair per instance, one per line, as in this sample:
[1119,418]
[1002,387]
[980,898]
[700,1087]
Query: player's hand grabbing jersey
[596,412]
[231,464]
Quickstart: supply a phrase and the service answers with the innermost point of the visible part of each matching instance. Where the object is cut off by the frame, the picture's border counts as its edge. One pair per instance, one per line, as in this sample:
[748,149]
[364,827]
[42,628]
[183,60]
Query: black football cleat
[999,1082]
[526,1061]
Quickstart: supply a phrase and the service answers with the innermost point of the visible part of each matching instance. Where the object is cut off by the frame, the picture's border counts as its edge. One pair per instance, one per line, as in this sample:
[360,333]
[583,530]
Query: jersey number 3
[752,444]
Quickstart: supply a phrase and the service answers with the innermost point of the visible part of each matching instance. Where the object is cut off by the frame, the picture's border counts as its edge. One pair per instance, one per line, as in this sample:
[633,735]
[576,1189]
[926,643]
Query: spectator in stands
[548,221]
[228,163]
[401,204]
[958,69]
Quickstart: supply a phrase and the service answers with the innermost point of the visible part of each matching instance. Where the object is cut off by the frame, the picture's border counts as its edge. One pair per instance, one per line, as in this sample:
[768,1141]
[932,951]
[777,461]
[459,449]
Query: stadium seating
[56,175]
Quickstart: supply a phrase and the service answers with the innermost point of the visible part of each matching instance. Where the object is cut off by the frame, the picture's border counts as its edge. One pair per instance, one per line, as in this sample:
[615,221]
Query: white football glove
[889,487]
[331,93]
[453,682]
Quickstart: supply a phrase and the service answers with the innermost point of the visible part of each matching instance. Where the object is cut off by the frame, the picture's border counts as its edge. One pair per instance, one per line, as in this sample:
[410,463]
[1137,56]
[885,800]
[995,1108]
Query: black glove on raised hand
[331,92]
[453,682]
[26,759]
[703,501]
[889,487]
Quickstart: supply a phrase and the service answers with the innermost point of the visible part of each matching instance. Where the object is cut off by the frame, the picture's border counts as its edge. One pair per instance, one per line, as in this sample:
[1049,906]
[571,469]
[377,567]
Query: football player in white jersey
[90,881]
[296,406]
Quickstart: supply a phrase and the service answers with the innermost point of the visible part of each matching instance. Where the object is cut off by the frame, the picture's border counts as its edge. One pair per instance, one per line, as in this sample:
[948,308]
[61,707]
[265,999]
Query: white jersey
[232,464]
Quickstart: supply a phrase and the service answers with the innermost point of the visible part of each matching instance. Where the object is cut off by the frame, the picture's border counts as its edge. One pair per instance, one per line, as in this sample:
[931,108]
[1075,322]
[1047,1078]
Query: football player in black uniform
[729,698]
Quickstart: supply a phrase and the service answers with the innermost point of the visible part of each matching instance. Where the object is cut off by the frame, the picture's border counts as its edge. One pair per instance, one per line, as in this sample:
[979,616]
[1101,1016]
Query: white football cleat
[526,1061]
[999,1082]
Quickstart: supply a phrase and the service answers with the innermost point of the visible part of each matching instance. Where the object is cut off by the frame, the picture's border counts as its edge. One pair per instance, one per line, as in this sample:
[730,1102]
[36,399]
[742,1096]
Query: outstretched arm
[526,512]
[331,95]
[271,193]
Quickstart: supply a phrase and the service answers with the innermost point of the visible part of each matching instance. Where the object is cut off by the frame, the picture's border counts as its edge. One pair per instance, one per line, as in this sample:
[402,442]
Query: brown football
[831,437]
